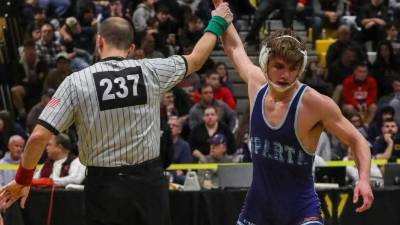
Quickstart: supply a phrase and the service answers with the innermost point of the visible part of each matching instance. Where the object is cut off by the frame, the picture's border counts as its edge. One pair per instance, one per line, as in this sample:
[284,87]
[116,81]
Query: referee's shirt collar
[118,58]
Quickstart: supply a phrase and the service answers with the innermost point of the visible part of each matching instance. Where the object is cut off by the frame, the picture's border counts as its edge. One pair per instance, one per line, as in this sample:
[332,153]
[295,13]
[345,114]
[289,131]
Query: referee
[114,105]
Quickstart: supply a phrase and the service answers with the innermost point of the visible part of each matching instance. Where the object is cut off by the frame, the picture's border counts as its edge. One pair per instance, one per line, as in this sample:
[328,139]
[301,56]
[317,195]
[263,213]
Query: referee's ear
[131,49]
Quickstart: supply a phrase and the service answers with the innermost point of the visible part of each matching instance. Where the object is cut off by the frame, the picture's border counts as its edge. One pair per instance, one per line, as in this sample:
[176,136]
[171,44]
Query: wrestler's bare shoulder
[316,103]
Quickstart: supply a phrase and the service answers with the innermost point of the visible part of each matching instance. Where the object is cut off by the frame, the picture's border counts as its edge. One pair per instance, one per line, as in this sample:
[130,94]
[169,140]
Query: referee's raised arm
[221,18]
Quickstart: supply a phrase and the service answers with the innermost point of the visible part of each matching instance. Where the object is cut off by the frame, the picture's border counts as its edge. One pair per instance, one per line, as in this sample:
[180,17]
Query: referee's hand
[11,193]
[223,11]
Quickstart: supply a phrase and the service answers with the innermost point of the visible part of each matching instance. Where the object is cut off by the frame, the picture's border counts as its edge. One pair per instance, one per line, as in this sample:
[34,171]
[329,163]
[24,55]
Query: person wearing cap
[218,147]
[36,110]
[69,30]
[71,38]
[217,155]
[58,74]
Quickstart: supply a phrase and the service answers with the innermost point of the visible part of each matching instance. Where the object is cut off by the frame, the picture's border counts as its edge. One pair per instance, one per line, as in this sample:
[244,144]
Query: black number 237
[118,89]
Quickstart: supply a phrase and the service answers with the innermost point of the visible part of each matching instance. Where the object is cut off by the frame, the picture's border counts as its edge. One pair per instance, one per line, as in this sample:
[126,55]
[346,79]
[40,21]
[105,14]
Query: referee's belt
[138,169]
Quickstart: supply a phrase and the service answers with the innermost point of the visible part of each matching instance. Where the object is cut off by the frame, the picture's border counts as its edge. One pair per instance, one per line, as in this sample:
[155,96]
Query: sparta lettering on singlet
[282,190]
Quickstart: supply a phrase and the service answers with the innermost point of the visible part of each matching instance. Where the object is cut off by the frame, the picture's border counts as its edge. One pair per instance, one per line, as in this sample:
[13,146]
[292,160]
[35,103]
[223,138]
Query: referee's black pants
[127,195]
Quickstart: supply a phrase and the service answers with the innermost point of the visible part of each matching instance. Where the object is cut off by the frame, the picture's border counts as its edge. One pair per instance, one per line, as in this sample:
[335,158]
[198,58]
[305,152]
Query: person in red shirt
[220,92]
[359,93]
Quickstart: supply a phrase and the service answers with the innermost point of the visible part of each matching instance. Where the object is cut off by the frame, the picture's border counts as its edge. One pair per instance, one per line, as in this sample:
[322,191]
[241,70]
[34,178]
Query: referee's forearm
[35,146]
[201,52]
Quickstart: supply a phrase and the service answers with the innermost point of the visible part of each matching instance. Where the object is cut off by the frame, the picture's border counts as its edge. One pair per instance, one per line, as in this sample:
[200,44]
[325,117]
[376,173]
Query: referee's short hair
[63,140]
[117,32]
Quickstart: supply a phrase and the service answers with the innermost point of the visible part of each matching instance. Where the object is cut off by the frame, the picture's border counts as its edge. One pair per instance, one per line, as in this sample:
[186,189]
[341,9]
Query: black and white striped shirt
[115,106]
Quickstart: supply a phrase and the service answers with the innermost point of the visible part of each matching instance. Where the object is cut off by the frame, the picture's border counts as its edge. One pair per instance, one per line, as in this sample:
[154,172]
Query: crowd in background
[200,114]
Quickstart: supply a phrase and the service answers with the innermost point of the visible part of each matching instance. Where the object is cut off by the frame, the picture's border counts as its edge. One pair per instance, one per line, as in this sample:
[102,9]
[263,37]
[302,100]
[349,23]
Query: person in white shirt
[352,173]
[61,166]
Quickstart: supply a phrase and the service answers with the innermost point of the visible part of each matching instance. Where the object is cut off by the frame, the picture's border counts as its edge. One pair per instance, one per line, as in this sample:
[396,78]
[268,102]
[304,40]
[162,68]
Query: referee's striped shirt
[115,106]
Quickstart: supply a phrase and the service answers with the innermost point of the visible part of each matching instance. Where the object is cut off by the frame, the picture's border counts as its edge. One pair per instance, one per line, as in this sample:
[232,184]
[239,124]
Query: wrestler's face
[280,72]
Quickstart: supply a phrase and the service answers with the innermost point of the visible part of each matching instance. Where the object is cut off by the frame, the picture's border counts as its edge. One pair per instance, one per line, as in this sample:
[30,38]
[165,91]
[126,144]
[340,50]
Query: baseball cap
[71,22]
[218,139]
[62,55]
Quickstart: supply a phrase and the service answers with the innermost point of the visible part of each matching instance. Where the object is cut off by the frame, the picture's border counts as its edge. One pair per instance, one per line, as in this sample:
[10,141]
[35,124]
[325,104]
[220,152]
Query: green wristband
[217,25]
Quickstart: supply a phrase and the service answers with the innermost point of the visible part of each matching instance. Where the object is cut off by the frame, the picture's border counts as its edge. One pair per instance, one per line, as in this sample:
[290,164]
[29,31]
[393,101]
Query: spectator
[226,115]
[36,110]
[315,78]
[28,11]
[359,93]
[148,45]
[89,26]
[116,8]
[357,120]
[192,31]
[71,34]
[13,156]
[385,68]
[218,148]
[344,40]
[61,166]
[392,35]
[58,74]
[242,137]
[11,127]
[3,145]
[27,81]
[171,45]
[193,4]
[199,139]
[339,70]
[266,7]
[222,70]
[352,173]
[387,145]
[324,149]
[33,32]
[220,92]
[394,6]
[143,12]
[375,128]
[343,67]
[69,31]
[166,32]
[394,100]
[372,19]
[327,14]
[182,151]
[46,47]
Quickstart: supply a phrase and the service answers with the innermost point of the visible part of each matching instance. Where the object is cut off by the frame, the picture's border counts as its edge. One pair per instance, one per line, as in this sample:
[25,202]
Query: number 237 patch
[118,89]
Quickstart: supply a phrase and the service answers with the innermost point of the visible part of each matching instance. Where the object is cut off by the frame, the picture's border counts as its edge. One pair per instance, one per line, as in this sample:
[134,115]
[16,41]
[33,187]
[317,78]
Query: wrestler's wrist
[217,26]
[24,176]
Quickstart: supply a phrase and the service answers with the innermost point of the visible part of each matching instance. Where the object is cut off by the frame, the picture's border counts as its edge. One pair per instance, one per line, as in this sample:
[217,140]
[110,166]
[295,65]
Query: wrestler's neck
[284,96]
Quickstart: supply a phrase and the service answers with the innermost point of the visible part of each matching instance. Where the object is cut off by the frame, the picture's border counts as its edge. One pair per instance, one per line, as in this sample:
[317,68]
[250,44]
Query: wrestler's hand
[217,2]
[363,188]
[223,11]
